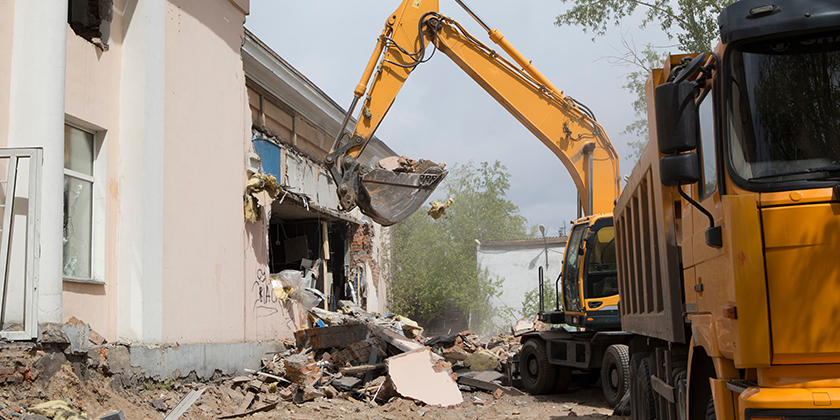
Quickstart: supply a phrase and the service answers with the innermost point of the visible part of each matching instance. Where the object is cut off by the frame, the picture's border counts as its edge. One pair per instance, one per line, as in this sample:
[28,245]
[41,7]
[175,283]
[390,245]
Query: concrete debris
[415,376]
[404,164]
[334,336]
[439,208]
[370,359]
[524,326]
[113,415]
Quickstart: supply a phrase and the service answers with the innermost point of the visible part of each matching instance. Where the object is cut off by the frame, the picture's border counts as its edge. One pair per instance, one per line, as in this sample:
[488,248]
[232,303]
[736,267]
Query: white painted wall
[519,267]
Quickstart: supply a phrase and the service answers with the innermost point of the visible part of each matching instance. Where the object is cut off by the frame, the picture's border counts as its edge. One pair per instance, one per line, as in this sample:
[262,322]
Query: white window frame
[99,190]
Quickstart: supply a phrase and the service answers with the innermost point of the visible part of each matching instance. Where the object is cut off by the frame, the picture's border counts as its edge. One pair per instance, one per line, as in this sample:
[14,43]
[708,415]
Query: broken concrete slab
[522,326]
[334,336]
[347,382]
[414,376]
[487,375]
[400,342]
[114,415]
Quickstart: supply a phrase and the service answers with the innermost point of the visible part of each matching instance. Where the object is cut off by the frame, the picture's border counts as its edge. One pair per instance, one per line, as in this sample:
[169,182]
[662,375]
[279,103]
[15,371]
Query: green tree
[433,262]
[531,303]
[692,22]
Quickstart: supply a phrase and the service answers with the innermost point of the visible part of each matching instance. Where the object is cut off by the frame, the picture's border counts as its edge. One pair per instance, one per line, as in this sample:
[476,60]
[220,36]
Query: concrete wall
[92,102]
[203,173]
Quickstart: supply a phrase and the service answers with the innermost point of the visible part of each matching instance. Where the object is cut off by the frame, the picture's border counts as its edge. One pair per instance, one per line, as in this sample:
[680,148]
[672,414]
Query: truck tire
[615,373]
[538,376]
[647,403]
[710,410]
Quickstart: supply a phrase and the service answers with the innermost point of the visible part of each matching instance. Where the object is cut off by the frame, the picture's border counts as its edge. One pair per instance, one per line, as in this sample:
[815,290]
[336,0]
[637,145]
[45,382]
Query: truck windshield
[784,111]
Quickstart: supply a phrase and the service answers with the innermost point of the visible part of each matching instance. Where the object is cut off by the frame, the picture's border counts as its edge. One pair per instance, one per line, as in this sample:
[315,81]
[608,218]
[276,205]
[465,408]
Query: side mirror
[679,169]
[677,120]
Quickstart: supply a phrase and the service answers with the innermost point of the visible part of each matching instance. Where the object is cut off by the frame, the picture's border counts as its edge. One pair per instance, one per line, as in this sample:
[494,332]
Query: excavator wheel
[538,376]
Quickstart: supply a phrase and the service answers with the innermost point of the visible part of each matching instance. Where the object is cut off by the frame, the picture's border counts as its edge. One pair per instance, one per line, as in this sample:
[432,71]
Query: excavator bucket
[388,197]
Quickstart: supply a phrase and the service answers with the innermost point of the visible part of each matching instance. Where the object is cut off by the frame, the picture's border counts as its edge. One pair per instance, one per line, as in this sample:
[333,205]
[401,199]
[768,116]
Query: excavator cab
[590,277]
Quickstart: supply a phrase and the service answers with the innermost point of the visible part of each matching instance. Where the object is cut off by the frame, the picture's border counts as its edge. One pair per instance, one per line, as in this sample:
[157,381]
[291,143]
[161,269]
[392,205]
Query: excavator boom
[567,128]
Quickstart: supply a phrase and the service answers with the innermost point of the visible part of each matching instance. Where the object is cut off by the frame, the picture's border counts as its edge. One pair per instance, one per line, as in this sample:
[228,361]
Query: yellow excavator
[564,125]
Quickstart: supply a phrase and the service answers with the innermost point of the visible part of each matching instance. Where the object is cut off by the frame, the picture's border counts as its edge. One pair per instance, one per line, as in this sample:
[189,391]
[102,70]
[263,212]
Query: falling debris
[258,183]
[439,208]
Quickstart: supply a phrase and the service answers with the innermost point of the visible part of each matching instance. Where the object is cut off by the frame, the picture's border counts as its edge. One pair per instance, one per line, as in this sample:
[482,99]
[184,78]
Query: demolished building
[129,131]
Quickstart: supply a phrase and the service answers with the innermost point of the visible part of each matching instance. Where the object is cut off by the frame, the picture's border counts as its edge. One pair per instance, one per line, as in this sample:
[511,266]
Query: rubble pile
[358,356]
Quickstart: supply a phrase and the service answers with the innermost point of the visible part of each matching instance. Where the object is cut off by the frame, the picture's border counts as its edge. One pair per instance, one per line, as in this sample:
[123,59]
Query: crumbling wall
[362,254]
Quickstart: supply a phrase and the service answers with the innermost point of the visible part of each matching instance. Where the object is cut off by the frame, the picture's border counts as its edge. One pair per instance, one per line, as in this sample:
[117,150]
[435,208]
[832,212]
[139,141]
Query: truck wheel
[710,410]
[646,401]
[538,375]
[564,378]
[615,373]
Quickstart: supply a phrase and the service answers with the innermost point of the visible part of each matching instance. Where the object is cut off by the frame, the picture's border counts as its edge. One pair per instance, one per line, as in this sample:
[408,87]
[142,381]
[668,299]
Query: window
[571,270]
[79,155]
[707,145]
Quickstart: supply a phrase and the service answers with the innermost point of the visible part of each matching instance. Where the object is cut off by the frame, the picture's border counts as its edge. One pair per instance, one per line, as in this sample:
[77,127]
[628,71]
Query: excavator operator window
[571,269]
[601,278]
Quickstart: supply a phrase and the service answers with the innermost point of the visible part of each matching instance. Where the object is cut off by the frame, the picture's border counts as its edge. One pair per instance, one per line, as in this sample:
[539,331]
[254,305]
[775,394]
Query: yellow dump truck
[728,229]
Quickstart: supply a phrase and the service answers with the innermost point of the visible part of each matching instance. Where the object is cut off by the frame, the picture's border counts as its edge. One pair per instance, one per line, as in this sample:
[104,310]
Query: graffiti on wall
[265,301]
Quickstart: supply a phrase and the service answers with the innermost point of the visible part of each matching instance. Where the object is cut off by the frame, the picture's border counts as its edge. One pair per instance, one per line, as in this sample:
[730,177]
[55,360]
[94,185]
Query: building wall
[176,262]
[519,266]
[7,20]
[92,102]
[203,173]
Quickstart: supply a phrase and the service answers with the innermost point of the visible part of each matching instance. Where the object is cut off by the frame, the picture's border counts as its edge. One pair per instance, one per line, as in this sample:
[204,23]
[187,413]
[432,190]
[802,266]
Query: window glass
[784,108]
[78,150]
[707,146]
[571,270]
[78,203]
[601,278]
[78,200]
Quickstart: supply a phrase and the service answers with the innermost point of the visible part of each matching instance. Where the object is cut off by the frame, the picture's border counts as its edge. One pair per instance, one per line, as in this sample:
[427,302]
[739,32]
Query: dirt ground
[99,395]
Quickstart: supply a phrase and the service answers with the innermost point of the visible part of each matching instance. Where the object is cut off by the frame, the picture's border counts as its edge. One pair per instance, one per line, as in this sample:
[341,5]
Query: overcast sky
[441,114]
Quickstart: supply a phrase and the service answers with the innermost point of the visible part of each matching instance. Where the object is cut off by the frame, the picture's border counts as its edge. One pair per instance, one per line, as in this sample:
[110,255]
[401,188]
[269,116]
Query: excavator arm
[566,127]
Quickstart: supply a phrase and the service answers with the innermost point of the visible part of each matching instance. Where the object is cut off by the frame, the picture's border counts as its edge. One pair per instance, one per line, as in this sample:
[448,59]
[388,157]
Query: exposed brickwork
[302,370]
[14,370]
[361,252]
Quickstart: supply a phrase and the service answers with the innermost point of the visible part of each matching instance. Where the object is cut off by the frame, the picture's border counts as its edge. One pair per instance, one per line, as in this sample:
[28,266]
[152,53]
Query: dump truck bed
[647,222]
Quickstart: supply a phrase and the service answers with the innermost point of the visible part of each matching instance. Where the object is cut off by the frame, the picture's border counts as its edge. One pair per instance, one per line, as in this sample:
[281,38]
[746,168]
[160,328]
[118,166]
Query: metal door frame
[33,239]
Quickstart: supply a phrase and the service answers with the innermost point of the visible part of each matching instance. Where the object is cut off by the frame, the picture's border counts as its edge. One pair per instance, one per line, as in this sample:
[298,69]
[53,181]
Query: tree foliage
[433,262]
[692,22]
[531,303]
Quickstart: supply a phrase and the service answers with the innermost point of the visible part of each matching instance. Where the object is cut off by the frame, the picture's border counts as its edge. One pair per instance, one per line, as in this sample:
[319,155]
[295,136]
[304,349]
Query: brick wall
[361,252]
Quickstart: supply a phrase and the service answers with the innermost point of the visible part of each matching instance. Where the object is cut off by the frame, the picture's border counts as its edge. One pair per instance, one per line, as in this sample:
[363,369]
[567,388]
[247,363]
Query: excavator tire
[538,376]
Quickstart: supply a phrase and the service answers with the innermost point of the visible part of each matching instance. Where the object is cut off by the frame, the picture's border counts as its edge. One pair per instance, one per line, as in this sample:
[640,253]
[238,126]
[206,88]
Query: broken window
[90,19]
[78,202]
[298,244]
